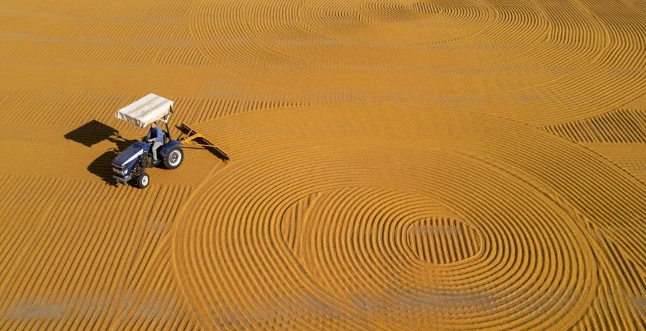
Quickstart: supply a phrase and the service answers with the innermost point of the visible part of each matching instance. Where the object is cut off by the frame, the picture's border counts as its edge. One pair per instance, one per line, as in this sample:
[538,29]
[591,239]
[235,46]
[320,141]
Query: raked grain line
[626,37]
[32,220]
[606,313]
[572,24]
[630,280]
[568,23]
[244,224]
[504,259]
[72,247]
[81,10]
[241,36]
[626,34]
[469,14]
[159,312]
[332,22]
[293,220]
[261,32]
[636,167]
[145,20]
[59,108]
[129,254]
[429,236]
[157,281]
[202,110]
[320,20]
[565,20]
[161,221]
[90,51]
[506,50]
[574,30]
[222,34]
[14,235]
[619,126]
[263,308]
[379,12]
[340,206]
[535,255]
[287,37]
[530,25]
[628,30]
[529,139]
[567,28]
[476,16]
[588,199]
[106,38]
[639,5]
[555,16]
[182,55]
[73,109]
[609,206]
[218,26]
[273,31]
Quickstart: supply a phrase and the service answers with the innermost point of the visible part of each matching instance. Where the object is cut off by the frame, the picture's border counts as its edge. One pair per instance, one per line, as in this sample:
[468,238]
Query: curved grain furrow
[514,273]
[269,143]
[77,108]
[157,301]
[619,126]
[574,15]
[444,196]
[531,26]
[59,108]
[62,275]
[575,25]
[181,55]
[455,240]
[627,206]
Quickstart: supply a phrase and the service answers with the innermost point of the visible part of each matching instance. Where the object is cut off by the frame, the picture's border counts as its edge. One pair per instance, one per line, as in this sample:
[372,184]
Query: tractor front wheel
[143,180]
[174,158]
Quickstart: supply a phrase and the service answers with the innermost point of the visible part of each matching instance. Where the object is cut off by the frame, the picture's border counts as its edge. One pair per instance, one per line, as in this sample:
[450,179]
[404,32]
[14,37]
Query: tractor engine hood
[129,154]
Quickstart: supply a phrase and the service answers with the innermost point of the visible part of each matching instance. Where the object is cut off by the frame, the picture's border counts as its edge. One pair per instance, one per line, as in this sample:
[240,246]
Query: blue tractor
[131,163]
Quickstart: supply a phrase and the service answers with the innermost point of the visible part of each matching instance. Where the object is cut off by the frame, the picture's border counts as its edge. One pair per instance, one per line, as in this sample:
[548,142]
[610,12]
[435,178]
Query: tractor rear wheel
[174,158]
[143,180]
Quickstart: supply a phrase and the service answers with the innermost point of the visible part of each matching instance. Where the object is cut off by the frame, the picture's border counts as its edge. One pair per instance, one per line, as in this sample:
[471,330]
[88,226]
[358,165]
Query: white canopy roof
[146,110]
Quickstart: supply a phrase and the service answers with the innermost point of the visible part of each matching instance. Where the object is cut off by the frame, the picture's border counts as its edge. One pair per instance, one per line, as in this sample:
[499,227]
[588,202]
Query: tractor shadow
[102,167]
[92,133]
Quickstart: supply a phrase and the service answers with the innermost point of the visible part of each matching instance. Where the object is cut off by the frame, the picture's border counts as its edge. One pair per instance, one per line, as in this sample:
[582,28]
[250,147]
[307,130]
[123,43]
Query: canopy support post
[166,122]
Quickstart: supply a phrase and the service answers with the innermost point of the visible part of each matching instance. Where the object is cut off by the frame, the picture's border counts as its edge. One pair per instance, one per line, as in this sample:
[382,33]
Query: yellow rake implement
[199,139]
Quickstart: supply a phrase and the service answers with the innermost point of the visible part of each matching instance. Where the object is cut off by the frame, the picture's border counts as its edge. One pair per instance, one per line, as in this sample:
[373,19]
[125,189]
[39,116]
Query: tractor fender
[163,151]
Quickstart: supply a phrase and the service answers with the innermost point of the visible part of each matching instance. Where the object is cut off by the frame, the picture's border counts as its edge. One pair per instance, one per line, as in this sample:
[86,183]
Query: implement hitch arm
[199,139]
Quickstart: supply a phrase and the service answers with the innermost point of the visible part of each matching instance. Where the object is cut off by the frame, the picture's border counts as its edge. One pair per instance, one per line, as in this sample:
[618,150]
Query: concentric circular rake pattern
[436,240]
[514,59]
[349,228]
[386,12]
[440,240]
[390,23]
[420,193]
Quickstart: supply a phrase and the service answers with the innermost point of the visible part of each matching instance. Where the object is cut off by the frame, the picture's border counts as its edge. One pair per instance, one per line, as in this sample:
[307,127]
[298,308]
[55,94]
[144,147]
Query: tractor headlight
[120,172]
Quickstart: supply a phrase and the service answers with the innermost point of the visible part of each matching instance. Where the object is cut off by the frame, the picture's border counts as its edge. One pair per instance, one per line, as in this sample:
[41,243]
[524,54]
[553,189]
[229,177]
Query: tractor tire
[174,158]
[143,180]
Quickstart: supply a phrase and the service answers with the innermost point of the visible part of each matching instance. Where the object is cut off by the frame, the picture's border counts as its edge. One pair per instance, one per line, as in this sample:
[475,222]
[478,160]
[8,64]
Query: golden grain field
[396,165]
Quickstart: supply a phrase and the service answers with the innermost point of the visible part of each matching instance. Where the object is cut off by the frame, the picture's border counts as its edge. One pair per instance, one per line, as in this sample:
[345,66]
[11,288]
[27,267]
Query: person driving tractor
[156,137]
